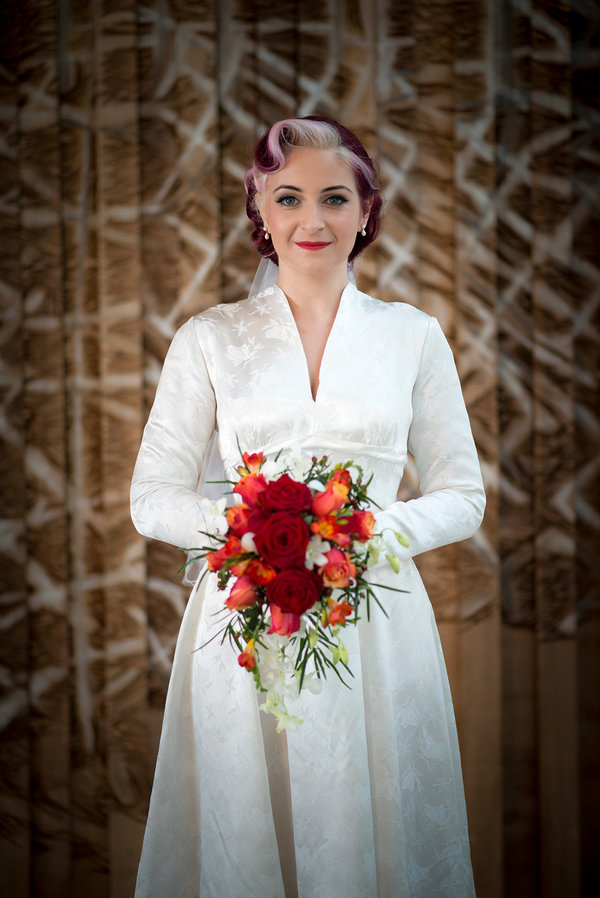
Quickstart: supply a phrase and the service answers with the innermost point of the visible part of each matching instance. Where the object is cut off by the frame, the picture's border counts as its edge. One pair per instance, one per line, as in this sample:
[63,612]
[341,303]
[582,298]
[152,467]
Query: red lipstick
[306,244]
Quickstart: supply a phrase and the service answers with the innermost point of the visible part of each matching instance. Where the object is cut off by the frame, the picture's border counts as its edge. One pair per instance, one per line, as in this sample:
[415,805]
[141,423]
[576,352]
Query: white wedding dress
[365,799]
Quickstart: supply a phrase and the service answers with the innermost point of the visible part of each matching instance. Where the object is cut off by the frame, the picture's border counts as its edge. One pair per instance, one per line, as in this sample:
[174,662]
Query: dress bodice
[387,385]
[255,358]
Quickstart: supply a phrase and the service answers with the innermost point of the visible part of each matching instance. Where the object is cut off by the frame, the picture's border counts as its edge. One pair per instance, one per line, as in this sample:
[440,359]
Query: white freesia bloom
[293,461]
[248,544]
[285,721]
[298,461]
[272,468]
[376,547]
[315,552]
[311,682]
[215,522]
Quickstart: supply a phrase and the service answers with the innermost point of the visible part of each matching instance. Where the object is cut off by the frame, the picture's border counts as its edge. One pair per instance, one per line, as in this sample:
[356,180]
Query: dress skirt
[364,799]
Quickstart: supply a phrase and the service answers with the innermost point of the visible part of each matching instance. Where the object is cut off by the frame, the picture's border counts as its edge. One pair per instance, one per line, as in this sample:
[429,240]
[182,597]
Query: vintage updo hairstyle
[315,133]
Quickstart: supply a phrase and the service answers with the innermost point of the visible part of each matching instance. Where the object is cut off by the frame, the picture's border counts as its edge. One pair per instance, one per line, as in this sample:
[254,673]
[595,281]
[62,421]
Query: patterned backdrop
[126,129]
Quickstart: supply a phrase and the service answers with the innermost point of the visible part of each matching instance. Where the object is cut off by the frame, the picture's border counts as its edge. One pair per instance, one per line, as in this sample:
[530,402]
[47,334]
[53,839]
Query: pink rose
[339,570]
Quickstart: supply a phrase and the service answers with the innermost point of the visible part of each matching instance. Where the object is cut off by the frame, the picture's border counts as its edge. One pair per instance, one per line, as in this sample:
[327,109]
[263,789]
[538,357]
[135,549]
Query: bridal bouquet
[292,558]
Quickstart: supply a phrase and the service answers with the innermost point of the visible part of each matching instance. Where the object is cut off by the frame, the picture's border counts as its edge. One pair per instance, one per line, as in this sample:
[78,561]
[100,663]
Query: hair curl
[311,132]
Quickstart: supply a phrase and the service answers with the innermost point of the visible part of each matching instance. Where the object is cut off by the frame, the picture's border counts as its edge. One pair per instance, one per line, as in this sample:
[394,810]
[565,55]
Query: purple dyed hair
[311,132]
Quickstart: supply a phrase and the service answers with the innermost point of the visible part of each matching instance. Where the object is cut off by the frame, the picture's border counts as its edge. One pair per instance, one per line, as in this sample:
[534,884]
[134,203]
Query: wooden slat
[48,562]
[14,625]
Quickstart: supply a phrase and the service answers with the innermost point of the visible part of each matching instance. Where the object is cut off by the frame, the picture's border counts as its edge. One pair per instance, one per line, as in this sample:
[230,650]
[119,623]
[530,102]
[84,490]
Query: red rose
[338,571]
[250,487]
[282,623]
[286,494]
[282,540]
[294,590]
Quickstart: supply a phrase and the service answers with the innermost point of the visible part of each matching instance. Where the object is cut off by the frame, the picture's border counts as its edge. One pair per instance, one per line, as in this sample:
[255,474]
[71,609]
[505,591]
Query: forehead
[313,169]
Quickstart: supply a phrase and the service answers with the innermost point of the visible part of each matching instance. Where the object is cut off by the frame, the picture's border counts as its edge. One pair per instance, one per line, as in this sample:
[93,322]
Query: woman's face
[313,211]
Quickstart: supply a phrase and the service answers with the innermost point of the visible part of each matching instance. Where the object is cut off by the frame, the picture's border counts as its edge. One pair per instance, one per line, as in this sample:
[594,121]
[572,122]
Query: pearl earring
[267,235]
[363,232]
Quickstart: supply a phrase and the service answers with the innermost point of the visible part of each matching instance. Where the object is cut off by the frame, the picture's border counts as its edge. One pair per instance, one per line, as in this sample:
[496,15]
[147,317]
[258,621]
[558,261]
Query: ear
[366,210]
[259,203]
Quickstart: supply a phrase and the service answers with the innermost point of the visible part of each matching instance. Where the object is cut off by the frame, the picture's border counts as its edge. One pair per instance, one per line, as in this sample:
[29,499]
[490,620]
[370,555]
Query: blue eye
[287,200]
[336,199]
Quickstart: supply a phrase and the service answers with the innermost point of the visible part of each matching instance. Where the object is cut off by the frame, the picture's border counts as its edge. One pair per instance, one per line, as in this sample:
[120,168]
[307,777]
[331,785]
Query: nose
[312,220]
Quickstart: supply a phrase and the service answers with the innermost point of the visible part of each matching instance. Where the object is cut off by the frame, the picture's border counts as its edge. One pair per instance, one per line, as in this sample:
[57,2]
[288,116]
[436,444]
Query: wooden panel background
[126,130]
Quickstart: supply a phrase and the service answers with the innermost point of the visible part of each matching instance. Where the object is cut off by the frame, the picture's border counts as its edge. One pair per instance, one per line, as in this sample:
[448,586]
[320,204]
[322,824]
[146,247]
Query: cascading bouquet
[292,558]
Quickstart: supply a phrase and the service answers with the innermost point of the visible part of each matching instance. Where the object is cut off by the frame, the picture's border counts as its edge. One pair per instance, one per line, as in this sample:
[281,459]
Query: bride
[365,799]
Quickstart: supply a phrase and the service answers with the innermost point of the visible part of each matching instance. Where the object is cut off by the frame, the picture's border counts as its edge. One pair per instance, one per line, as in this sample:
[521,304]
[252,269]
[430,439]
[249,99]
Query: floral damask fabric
[374,804]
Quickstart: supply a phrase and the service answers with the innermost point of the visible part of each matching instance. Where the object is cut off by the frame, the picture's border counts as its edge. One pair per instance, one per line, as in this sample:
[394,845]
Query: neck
[309,292]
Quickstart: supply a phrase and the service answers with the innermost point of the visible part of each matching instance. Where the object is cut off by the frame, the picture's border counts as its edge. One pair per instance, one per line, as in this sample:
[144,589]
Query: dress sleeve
[164,502]
[453,500]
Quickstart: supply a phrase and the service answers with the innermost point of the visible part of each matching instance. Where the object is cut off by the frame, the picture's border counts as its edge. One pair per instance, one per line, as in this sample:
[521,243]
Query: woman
[366,798]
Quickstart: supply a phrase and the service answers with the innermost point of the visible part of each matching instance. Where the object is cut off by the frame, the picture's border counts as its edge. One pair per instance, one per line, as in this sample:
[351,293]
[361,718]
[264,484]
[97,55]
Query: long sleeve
[164,504]
[453,500]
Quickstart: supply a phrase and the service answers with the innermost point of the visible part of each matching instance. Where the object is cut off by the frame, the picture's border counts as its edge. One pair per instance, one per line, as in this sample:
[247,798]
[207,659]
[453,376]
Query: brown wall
[126,129]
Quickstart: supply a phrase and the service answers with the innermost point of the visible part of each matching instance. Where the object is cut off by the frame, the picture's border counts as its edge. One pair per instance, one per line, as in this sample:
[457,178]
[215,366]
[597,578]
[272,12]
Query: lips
[306,244]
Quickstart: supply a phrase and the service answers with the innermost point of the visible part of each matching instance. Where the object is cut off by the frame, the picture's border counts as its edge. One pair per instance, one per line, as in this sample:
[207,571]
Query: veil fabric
[266,276]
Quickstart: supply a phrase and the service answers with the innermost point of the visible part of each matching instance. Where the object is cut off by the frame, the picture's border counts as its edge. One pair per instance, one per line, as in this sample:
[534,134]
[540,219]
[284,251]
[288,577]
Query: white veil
[266,276]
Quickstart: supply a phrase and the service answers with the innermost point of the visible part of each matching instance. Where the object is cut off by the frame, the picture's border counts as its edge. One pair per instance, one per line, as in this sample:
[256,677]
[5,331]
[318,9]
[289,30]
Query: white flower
[273,468]
[215,522]
[293,461]
[311,682]
[376,546]
[248,544]
[316,486]
[276,707]
[315,550]
[298,461]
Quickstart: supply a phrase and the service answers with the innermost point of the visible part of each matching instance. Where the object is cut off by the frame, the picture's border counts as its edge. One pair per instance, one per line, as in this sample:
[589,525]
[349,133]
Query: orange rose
[243,594]
[339,570]
[237,518]
[216,560]
[334,495]
[247,658]
[250,487]
[338,611]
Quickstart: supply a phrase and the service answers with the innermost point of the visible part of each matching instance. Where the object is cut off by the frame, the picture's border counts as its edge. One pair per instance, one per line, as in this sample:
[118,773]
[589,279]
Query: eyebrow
[325,189]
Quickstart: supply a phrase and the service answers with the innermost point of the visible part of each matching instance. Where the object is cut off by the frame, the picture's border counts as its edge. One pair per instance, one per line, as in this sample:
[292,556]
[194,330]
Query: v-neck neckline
[313,398]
